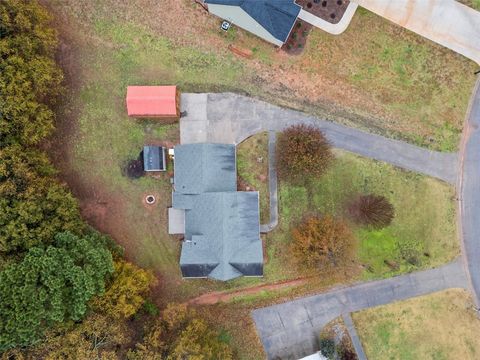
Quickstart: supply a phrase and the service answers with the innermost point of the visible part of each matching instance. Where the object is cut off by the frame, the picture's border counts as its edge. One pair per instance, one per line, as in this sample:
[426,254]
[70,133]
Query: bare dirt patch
[223,296]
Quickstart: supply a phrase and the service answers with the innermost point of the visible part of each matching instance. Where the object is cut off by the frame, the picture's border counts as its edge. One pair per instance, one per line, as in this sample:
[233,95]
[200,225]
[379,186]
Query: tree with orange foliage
[302,150]
[322,241]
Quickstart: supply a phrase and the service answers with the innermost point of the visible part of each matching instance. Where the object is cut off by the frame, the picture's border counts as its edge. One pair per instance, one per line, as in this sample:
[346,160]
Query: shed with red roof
[153,101]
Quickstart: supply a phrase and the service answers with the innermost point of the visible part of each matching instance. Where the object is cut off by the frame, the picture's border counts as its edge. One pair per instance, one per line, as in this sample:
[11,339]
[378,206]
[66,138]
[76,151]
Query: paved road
[469,190]
[231,118]
[446,22]
[272,184]
[290,330]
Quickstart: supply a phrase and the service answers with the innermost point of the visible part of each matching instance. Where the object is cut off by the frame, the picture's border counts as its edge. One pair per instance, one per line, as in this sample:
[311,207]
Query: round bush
[372,210]
[302,150]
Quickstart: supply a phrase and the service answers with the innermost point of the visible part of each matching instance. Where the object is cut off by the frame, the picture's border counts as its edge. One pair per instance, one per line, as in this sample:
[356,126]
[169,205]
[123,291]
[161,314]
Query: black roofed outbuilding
[154,158]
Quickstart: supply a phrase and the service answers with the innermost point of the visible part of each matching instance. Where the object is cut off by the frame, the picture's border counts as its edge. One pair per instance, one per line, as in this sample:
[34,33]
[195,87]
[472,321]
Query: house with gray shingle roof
[221,225]
[272,20]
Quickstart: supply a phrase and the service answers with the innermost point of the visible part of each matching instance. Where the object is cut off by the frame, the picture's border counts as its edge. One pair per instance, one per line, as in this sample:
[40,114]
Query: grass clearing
[107,45]
[376,75]
[443,325]
[252,167]
[424,225]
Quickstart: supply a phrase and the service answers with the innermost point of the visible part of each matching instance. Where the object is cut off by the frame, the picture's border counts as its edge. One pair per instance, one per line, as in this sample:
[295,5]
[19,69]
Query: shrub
[372,210]
[302,151]
[327,347]
[319,242]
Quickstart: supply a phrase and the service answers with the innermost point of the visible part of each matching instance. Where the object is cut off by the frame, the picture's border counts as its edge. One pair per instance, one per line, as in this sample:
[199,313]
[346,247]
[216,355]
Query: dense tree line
[65,290]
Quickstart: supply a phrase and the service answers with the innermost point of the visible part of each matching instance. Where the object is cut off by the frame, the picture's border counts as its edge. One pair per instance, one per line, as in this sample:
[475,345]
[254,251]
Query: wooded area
[65,289]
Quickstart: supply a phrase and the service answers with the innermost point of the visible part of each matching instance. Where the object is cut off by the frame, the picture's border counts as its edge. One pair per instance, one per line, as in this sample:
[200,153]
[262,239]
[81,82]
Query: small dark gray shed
[154,158]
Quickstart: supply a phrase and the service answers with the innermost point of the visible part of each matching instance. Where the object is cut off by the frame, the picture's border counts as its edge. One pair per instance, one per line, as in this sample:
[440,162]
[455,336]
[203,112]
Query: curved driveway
[231,118]
[290,330]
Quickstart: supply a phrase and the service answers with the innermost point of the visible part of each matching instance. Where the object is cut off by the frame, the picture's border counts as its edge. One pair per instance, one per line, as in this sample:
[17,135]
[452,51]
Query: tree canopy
[51,285]
[126,292]
[181,334]
[33,205]
[322,241]
[29,78]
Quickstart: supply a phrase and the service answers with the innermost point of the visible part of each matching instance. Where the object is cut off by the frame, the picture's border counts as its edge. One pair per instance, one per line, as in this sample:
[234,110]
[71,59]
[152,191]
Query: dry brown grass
[440,326]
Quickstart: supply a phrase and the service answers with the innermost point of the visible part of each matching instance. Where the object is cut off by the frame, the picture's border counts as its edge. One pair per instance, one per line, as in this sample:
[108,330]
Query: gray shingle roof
[222,231]
[276,16]
[205,168]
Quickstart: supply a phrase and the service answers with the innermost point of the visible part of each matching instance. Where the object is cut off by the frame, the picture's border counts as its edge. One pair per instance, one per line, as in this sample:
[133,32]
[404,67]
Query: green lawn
[107,45]
[424,224]
[440,326]
[252,167]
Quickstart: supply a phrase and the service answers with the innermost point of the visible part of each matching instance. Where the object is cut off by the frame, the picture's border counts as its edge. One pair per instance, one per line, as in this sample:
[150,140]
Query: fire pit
[150,199]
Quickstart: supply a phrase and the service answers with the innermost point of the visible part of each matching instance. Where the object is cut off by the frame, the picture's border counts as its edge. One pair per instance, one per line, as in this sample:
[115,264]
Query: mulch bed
[329,10]
[295,43]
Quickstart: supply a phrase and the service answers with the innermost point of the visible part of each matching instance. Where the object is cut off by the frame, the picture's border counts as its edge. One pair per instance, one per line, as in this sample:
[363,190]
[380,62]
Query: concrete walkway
[469,192]
[446,22]
[272,184]
[357,345]
[231,118]
[290,330]
[335,29]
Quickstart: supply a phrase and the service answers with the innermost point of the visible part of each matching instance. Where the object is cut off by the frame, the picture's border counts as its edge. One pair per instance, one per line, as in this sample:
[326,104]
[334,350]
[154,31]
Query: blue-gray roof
[222,235]
[276,16]
[222,225]
[205,168]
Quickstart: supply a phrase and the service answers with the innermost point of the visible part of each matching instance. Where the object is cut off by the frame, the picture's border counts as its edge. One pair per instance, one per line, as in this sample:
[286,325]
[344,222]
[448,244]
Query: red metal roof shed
[152,101]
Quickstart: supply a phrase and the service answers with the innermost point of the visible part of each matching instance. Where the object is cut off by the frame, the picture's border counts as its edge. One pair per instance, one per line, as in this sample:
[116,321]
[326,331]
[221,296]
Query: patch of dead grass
[443,325]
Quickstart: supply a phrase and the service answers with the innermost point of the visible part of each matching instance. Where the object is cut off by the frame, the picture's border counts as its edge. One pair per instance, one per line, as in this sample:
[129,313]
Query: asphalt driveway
[290,330]
[231,118]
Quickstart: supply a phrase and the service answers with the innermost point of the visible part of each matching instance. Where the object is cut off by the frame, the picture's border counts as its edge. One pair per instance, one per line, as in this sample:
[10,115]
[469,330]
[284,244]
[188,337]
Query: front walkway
[446,22]
[231,118]
[290,330]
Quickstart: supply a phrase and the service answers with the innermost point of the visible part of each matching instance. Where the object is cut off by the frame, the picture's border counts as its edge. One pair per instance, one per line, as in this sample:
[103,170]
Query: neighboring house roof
[151,101]
[205,168]
[277,17]
[222,225]
[154,158]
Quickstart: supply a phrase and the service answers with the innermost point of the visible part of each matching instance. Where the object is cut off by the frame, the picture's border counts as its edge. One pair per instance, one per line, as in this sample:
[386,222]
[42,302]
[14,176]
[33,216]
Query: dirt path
[224,296]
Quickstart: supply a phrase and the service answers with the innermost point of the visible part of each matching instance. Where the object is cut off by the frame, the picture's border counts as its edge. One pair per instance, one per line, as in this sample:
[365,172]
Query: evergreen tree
[51,285]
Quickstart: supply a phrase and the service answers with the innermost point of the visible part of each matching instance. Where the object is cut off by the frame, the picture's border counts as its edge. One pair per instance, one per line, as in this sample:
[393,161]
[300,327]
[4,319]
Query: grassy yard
[370,77]
[440,326]
[376,75]
[474,4]
[252,167]
[423,228]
